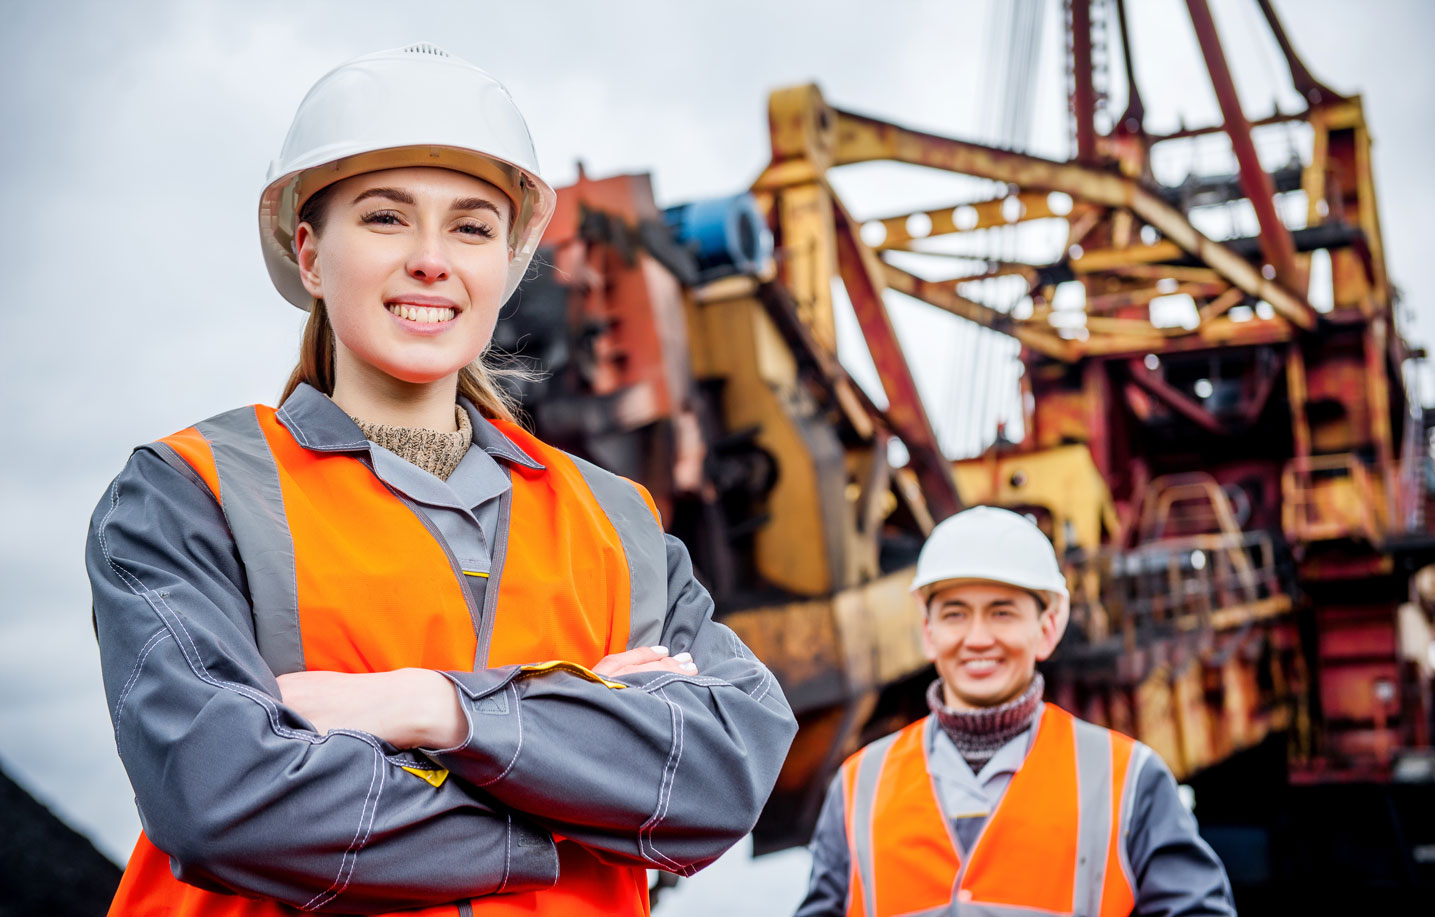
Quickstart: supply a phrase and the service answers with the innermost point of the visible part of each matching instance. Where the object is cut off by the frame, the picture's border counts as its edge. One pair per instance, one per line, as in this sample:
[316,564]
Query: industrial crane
[1219,436]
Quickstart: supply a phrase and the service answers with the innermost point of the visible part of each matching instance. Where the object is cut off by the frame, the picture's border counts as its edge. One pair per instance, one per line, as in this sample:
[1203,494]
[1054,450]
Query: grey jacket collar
[320,425]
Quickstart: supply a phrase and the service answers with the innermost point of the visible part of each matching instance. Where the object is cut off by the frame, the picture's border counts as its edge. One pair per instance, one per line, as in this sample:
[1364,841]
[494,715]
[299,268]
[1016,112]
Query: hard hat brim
[925,590]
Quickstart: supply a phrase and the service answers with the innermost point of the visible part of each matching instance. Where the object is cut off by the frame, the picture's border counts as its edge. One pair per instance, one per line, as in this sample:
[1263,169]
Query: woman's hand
[413,708]
[408,708]
[645,659]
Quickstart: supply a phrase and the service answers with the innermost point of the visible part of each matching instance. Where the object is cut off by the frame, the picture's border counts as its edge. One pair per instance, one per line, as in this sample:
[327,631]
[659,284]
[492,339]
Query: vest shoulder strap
[861,799]
[245,480]
[629,508]
[1095,824]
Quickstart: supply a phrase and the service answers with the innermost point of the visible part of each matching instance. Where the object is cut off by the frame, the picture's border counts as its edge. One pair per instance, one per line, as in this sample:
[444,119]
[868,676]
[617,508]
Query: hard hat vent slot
[424,47]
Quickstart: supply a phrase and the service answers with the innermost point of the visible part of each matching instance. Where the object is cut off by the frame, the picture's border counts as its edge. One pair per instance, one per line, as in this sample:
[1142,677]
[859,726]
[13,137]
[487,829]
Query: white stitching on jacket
[134,677]
[197,665]
[191,652]
[298,433]
[517,715]
[668,678]
[370,798]
[292,426]
[351,856]
[670,769]
[507,852]
[765,685]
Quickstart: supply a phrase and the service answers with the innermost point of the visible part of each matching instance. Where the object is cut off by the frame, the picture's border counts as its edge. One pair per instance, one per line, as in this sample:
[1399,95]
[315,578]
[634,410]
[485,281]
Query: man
[998,804]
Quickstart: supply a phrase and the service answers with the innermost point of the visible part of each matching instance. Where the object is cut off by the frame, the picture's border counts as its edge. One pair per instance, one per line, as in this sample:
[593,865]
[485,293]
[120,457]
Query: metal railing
[1199,582]
[1325,497]
[1193,568]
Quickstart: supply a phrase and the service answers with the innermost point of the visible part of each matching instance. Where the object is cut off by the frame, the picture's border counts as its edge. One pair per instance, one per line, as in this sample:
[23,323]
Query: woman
[382,649]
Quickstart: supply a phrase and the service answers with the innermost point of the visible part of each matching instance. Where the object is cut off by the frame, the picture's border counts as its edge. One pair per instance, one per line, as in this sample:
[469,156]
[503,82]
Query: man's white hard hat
[993,545]
[412,106]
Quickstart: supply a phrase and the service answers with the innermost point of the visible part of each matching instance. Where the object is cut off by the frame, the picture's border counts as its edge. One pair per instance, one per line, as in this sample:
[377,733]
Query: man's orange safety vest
[1053,845]
[359,550]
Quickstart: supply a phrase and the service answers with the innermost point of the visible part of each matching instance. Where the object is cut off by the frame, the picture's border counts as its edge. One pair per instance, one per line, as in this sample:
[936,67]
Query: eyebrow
[963,603]
[400,196]
[397,195]
[476,203]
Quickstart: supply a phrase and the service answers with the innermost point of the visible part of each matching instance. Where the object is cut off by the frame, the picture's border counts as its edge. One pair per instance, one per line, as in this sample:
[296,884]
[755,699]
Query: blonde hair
[478,381]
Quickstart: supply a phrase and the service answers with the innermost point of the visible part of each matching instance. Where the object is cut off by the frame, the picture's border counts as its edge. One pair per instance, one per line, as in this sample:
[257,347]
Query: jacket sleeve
[827,886]
[1176,874]
[237,789]
[656,769]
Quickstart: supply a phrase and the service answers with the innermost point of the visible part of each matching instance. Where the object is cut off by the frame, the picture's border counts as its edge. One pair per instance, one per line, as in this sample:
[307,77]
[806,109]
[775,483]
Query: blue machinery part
[727,235]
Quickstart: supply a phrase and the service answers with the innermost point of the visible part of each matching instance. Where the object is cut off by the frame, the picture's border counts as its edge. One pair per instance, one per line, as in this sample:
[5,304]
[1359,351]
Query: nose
[979,633]
[427,262]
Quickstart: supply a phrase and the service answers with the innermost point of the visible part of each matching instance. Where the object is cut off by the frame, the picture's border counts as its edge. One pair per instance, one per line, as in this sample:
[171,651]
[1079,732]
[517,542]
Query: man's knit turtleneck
[434,452]
[979,733]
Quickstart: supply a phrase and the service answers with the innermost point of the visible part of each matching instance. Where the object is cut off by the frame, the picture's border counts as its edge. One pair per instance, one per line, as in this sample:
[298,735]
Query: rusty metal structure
[1235,478]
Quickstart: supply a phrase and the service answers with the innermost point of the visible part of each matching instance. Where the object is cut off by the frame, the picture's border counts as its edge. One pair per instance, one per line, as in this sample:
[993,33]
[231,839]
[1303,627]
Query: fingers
[646,659]
[609,665]
[667,664]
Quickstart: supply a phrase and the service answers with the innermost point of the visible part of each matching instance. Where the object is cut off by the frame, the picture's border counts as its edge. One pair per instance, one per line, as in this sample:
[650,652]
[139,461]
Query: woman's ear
[306,248]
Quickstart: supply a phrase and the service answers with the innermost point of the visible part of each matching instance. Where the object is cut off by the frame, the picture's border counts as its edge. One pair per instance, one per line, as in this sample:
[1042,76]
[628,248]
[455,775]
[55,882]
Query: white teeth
[980,666]
[424,315]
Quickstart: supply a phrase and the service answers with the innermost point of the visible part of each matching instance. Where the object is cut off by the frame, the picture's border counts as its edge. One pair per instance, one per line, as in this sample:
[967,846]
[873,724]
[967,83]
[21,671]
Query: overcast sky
[134,139]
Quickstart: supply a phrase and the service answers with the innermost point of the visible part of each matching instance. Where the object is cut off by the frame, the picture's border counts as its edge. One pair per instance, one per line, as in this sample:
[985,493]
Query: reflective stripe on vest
[345,575]
[1067,809]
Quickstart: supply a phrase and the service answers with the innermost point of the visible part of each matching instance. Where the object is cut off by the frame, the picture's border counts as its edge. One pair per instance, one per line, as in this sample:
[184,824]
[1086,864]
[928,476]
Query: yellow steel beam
[1110,302]
[862,139]
[1222,304]
[1167,271]
[945,297]
[1368,211]
[1027,272]
[1108,336]
[1035,205]
[804,215]
[1102,324]
[1108,259]
[1217,333]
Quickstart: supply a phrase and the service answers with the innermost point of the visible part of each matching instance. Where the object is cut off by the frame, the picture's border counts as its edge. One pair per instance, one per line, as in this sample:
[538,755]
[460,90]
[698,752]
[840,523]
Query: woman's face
[411,265]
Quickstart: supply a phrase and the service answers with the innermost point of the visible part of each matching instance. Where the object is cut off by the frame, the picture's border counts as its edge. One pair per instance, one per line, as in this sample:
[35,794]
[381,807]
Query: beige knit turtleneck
[434,452]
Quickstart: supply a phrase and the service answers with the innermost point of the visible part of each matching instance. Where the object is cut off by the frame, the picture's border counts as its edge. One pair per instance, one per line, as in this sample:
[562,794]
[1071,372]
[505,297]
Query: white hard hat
[413,106]
[993,545]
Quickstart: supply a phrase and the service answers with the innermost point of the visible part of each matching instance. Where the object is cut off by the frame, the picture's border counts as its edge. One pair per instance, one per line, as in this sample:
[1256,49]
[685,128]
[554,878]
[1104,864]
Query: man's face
[986,639]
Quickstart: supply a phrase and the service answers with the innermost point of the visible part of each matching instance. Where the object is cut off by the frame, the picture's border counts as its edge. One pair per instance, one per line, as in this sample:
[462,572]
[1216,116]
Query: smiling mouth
[424,315]
[980,666]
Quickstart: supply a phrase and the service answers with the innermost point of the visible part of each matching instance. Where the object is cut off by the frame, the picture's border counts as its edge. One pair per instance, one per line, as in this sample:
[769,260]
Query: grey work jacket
[246,797]
[1175,873]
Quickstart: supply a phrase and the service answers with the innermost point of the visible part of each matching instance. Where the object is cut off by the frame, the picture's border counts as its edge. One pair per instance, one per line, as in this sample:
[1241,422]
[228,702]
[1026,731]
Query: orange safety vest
[360,554]
[1049,848]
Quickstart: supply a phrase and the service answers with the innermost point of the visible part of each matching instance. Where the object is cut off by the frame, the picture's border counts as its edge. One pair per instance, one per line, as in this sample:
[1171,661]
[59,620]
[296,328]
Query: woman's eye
[477,229]
[381,218]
